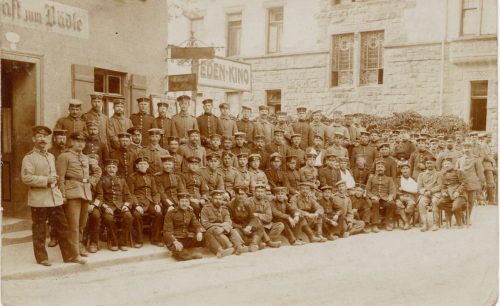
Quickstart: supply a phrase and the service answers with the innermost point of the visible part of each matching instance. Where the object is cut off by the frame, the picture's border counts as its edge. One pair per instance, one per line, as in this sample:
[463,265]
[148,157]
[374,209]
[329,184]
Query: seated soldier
[345,174]
[348,225]
[453,198]
[310,210]
[329,174]
[361,207]
[292,174]
[258,176]
[406,195]
[275,175]
[146,201]
[215,145]
[296,150]
[220,237]
[195,184]
[309,173]
[112,202]
[182,230]
[211,172]
[244,177]
[283,212]
[381,191]
[430,192]
[261,209]
[169,183]
[249,227]
[361,171]
[333,214]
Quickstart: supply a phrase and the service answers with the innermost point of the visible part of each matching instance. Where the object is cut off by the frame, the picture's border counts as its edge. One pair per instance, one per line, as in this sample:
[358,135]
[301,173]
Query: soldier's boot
[181,256]
[406,223]
[319,232]
[224,252]
[83,250]
[93,247]
[53,242]
[309,233]
[375,228]
[254,245]
[273,244]
[241,249]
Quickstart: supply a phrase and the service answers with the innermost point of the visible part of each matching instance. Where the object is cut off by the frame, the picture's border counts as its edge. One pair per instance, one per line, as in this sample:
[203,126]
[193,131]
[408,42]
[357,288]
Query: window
[471,17]
[111,84]
[273,99]
[479,100]
[372,59]
[233,34]
[342,58]
[275,30]
[197,28]
[234,101]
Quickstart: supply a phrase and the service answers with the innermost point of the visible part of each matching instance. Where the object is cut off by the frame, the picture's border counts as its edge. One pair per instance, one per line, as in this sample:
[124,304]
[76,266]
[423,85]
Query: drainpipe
[443,41]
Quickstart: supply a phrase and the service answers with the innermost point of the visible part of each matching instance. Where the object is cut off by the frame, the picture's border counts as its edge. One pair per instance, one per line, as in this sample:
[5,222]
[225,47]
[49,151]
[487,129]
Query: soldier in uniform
[329,174]
[214,145]
[429,193]
[221,238]
[292,174]
[248,226]
[229,173]
[125,155]
[227,146]
[406,195]
[112,203]
[257,175]
[183,121]
[239,144]
[261,209]
[295,149]
[317,128]
[349,225]
[489,165]
[212,174]
[364,148]
[259,148]
[193,148]
[449,152]
[74,121]
[453,197]
[227,125]
[164,123]
[77,174]
[153,151]
[95,114]
[208,123]
[278,144]
[417,158]
[309,209]
[118,123]
[287,215]
[382,192]
[318,149]
[309,173]
[302,127]
[182,230]
[361,207]
[275,174]
[245,125]
[390,165]
[136,139]
[173,149]
[282,124]
[195,184]
[360,170]
[405,146]
[143,119]
[333,216]
[94,147]
[336,147]
[38,171]
[244,177]
[262,124]
[169,183]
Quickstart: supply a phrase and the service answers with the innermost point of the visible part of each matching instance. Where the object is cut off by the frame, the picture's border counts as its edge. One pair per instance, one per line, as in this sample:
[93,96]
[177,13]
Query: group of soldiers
[236,186]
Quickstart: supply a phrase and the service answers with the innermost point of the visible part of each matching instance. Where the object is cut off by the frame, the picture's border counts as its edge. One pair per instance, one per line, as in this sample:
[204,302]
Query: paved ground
[448,267]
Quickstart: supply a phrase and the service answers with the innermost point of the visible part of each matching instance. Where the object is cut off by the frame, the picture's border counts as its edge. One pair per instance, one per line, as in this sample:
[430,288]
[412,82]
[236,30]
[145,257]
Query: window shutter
[82,84]
[138,86]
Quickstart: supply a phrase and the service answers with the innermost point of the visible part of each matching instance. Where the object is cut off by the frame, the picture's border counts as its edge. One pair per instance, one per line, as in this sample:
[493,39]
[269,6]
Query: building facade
[372,56]
[53,51]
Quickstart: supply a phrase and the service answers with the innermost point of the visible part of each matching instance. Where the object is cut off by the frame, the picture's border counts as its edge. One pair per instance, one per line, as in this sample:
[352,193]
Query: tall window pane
[470,17]
[275,30]
[372,59]
[342,58]
[234,34]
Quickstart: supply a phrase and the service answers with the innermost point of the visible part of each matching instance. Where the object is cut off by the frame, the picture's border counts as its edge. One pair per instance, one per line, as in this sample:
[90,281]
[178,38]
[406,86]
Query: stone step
[10,224]
[16,237]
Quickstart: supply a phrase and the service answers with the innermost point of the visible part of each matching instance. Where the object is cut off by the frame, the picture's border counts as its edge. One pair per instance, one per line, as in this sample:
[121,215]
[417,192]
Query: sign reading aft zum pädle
[46,15]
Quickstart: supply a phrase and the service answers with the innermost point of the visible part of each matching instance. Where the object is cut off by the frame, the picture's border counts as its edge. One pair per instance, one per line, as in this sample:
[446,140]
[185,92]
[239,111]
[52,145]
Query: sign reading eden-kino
[47,16]
[224,73]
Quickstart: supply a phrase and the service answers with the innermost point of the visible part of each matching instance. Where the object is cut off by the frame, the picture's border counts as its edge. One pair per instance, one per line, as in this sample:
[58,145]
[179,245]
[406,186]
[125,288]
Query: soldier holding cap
[118,123]
[211,172]
[169,183]
[287,215]
[143,119]
[317,128]
[182,230]
[302,127]
[78,174]
[153,151]
[227,125]
[183,121]
[95,114]
[112,202]
[309,209]
[164,123]
[145,200]
[263,125]
[245,125]
[193,148]
[208,123]
[38,171]
[125,155]
[74,121]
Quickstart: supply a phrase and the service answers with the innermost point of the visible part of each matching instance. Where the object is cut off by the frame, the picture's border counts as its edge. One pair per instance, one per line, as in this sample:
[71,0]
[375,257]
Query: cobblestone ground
[447,267]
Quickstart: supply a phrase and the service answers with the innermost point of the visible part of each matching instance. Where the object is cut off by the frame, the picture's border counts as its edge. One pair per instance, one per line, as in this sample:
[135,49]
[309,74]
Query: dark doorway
[18,116]
[478,105]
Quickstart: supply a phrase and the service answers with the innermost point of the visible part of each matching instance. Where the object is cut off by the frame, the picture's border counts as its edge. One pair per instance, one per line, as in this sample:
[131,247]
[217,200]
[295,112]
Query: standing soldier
[296,150]
[95,114]
[112,203]
[227,125]
[77,175]
[125,155]
[245,125]
[143,119]
[183,121]
[94,147]
[193,148]
[278,144]
[259,148]
[154,152]
[38,171]
[489,166]
[146,200]
[417,158]
[74,121]
[364,149]
[282,124]
[263,125]
[169,183]
[317,128]
[302,127]
[118,122]
[208,123]
[173,149]
[164,123]
[212,174]
[239,144]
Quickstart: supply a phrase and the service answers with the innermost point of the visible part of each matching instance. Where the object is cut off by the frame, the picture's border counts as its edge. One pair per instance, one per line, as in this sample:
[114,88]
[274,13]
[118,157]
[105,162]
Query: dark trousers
[453,207]
[56,217]
[156,223]
[124,219]
[291,232]
[389,207]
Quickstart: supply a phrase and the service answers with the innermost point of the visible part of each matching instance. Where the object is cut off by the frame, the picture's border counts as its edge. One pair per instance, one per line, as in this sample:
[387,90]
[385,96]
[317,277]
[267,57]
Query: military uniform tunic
[154,154]
[227,126]
[126,158]
[214,178]
[247,127]
[71,124]
[182,123]
[165,124]
[208,125]
[304,129]
[145,122]
[117,125]
[169,185]
[187,150]
[103,122]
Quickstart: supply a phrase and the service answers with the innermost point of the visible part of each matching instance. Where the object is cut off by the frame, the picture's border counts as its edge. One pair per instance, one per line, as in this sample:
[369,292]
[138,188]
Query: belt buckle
[85,180]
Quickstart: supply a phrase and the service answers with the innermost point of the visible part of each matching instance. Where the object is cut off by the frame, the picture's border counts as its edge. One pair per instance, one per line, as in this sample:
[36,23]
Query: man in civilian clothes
[74,121]
[38,171]
[118,123]
[143,119]
[95,114]
[227,125]
[245,125]
[183,121]
[164,123]
[302,127]
[208,123]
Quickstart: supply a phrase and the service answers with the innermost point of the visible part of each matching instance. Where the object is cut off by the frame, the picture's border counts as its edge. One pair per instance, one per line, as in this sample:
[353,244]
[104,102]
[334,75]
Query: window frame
[228,31]
[479,9]
[380,69]
[269,23]
[107,96]
[351,60]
